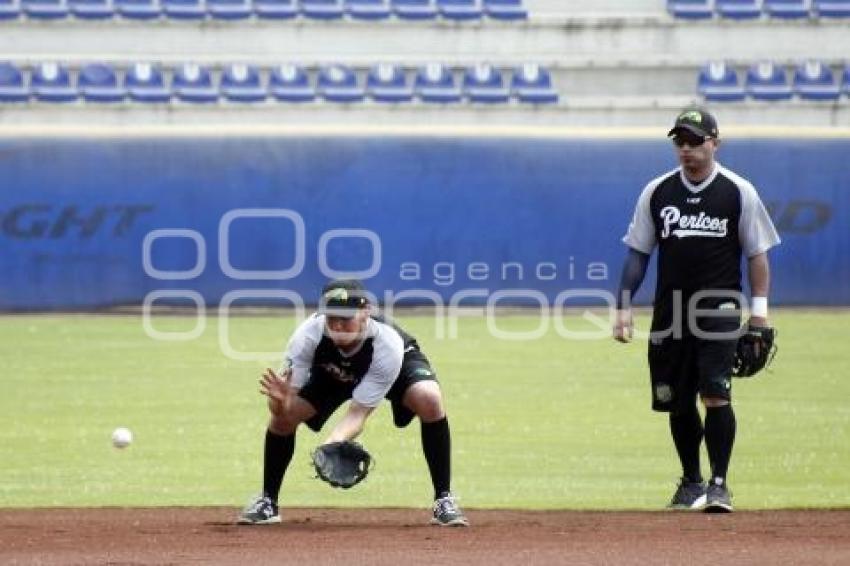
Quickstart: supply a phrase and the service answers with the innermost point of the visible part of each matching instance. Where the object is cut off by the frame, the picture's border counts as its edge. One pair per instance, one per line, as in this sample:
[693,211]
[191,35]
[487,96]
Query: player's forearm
[758,270]
[759,275]
[634,270]
[351,424]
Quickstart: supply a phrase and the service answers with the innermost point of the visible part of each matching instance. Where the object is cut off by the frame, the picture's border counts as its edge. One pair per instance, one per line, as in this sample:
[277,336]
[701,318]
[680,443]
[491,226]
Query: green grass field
[548,423]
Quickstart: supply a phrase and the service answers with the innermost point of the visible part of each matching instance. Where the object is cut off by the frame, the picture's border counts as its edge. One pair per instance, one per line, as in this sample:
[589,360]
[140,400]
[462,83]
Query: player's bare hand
[276,387]
[623,326]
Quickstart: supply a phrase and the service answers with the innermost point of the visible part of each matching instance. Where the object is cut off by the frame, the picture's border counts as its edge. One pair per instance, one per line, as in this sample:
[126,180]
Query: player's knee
[424,399]
[283,425]
[709,401]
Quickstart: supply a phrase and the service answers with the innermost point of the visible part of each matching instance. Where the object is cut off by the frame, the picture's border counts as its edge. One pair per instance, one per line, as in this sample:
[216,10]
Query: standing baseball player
[344,352]
[703,218]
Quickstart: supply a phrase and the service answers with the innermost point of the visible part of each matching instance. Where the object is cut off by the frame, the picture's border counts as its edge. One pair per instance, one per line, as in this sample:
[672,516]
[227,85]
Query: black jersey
[371,369]
[701,232]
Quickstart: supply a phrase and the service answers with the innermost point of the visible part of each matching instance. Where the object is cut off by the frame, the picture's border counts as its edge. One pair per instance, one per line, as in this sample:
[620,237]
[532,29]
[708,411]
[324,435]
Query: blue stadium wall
[433,216]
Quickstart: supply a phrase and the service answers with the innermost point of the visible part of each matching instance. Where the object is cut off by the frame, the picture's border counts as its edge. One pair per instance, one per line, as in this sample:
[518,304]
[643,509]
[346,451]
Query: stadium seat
[241,83]
[290,83]
[719,82]
[322,9]
[368,9]
[832,8]
[767,81]
[814,81]
[505,9]
[144,83]
[51,82]
[13,87]
[184,9]
[690,9]
[138,9]
[276,9]
[484,83]
[91,9]
[45,9]
[845,80]
[533,84]
[193,83]
[388,83]
[460,9]
[10,9]
[337,83]
[435,83]
[739,9]
[788,9]
[230,9]
[98,82]
[414,9]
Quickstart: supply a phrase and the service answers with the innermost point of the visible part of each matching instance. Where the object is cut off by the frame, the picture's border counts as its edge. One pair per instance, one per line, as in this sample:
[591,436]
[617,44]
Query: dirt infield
[118,536]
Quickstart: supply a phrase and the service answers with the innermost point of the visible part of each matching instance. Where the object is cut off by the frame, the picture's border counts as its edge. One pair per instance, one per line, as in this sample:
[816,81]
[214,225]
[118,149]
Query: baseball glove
[342,464]
[756,349]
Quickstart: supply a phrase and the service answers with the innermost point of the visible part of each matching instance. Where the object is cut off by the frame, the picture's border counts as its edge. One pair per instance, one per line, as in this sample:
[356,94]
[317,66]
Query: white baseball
[121,437]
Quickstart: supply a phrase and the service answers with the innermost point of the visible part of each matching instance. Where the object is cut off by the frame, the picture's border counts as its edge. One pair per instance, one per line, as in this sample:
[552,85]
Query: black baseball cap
[696,120]
[343,298]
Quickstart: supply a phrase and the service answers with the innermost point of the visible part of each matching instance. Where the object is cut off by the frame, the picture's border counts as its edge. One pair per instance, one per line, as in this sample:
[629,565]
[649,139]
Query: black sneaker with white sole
[718,499]
[261,511]
[690,495]
[447,513]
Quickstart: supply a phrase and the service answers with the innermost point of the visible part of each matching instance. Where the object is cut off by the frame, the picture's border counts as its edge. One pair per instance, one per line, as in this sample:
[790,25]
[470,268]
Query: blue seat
[832,8]
[767,81]
[241,83]
[276,9]
[193,83]
[788,9]
[98,82]
[533,84]
[815,81]
[13,87]
[719,82]
[690,9]
[322,9]
[505,9]
[230,9]
[51,82]
[10,9]
[739,9]
[435,83]
[460,9]
[144,83]
[415,9]
[138,9]
[290,83]
[484,83]
[92,9]
[368,9]
[184,9]
[388,83]
[338,83]
[845,80]
[45,9]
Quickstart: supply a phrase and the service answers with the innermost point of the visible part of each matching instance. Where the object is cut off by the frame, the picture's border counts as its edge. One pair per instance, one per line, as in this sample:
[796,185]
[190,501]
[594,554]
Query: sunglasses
[693,140]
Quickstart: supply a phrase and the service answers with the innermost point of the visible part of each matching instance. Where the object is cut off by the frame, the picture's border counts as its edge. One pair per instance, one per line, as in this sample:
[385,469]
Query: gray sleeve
[386,365]
[302,348]
[755,228]
[641,233]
